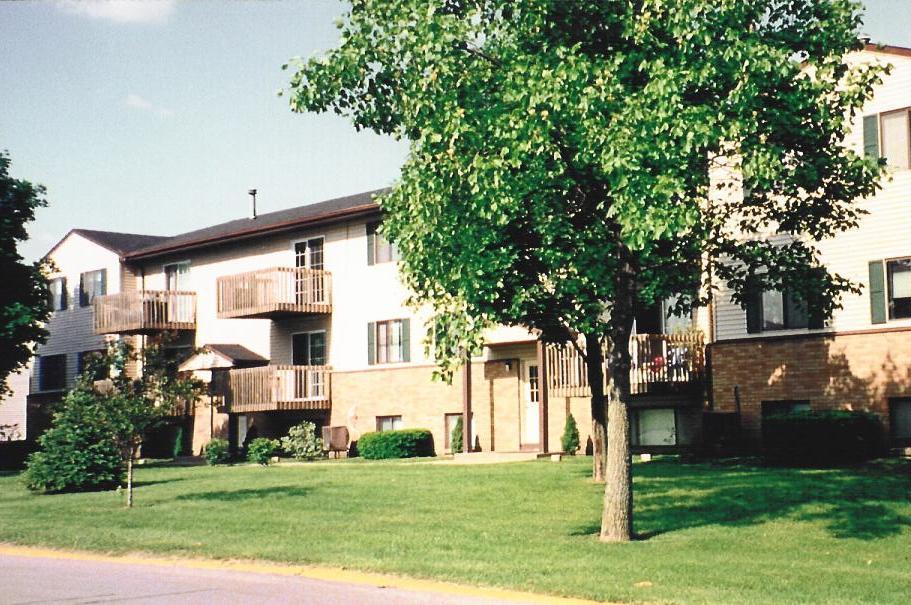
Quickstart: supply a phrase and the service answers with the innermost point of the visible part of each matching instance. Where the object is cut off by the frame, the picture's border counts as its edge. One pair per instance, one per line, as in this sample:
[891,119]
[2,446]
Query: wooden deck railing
[278,387]
[274,291]
[660,363]
[136,311]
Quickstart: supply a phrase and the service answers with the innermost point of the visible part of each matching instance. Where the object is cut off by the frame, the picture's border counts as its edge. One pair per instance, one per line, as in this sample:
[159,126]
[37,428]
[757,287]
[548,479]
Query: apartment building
[769,357]
[299,314]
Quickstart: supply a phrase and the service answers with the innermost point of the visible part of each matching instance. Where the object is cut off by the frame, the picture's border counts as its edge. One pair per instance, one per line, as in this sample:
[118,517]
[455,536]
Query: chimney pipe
[252,193]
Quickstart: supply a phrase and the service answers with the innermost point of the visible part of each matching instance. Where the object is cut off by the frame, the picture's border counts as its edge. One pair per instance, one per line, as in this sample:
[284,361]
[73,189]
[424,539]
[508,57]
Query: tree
[457,437]
[571,161]
[24,295]
[569,441]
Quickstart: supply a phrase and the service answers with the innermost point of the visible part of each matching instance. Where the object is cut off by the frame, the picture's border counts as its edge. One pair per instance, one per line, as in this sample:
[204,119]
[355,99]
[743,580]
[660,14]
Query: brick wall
[859,371]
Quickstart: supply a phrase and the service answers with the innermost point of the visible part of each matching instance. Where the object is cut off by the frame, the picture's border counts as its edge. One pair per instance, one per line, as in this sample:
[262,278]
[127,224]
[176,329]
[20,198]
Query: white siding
[72,330]
[13,406]
[884,233]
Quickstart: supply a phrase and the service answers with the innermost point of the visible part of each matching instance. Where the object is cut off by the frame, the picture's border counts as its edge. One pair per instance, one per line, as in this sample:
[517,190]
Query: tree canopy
[23,297]
[571,161]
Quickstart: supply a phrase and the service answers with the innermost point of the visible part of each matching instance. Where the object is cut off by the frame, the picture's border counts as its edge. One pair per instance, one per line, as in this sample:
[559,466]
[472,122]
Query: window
[888,135]
[534,391]
[770,310]
[898,279]
[654,426]
[85,360]
[92,284]
[388,341]
[308,349]
[900,420]
[52,373]
[57,291]
[784,406]
[177,277]
[388,423]
[309,287]
[309,253]
[379,250]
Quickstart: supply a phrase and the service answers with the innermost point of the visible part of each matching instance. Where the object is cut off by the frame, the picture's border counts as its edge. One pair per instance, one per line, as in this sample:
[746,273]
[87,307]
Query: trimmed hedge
[407,443]
[821,438]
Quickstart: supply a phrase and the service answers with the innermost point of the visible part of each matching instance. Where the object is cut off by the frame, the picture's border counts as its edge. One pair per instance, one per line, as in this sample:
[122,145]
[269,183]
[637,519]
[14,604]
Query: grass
[716,532]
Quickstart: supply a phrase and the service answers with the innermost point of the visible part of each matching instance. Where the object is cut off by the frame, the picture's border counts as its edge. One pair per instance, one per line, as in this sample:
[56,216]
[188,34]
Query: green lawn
[716,533]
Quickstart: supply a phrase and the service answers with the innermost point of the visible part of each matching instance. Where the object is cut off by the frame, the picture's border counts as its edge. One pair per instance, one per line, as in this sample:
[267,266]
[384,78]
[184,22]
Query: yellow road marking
[330,574]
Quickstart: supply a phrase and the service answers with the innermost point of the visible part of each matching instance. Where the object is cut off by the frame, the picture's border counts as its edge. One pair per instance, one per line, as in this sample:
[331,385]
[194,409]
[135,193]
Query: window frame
[887,276]
[309,334]
[43,373]
[393,418]
[60,300]
[878,138]
[382,347]
[164,270]
[376,242]
[86,298]
[755,305]
[635,426]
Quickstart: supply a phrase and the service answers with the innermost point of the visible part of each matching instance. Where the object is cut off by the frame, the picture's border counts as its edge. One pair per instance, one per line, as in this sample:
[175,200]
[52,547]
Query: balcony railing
[142,311]
[661,364]
[278,387]
[275,292]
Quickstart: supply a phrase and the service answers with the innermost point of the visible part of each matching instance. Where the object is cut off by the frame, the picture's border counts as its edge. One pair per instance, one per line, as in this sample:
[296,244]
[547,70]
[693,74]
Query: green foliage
[80,451]
[177,449]
[24,295]
[570,439]
[821,438]
[457,439]
[562,154]
[261,450]
[302,442]
[218,451]
[406,443]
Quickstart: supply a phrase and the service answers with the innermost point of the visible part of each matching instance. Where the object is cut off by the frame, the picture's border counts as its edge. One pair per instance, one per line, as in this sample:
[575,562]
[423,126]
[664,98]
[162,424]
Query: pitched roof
[121,243]
[236,352]
[319,213]
[887,49]
[219,356]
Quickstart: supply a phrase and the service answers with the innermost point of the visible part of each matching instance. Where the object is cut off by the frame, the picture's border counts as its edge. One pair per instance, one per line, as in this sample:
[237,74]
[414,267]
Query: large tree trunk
[595,368]
[617,516]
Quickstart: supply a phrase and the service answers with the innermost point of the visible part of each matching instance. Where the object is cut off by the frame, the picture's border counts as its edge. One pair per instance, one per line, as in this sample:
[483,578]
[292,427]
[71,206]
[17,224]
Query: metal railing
[275,290]
[136,311]
[278,387]
[659,362]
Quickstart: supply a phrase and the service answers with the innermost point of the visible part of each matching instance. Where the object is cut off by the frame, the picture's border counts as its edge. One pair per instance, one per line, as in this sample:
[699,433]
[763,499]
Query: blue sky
[157,117]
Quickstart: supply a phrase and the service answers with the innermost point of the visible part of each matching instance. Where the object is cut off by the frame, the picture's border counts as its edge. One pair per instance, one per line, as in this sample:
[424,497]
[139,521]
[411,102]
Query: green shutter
[371,343]
[877,293]
[371,244]
[406,340]
[753,308]
[104,283]
[871,136]
[82,297]
[64,294]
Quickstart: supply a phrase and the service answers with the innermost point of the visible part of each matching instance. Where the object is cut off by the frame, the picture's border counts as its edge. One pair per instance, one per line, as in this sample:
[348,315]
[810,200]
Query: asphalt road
[31,580]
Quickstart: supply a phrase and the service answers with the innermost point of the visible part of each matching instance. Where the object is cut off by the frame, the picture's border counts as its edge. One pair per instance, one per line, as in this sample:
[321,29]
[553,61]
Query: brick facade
[857,371]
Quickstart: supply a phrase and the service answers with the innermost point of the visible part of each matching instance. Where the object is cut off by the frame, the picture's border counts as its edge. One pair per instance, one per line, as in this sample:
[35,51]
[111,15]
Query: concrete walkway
[32,576]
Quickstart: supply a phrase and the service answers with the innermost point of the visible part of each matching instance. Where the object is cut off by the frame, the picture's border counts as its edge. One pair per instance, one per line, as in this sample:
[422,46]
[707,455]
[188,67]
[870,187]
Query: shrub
[821,438]
[218,451]
[570,439]
[457,438]
[302,442]
[261,450]
[408,443]
[79,452]
[177,449]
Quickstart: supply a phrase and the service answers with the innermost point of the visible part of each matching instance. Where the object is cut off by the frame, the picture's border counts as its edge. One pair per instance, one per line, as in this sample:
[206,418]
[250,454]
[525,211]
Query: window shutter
[871,136]
[103,289]
[877,293]
[82,296]
[406,340]
[817,318]
[371,244]
[754,308]
[371,343]
[64,294]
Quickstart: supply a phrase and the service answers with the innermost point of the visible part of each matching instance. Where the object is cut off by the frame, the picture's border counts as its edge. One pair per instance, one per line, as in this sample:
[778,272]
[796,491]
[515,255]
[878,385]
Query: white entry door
[531,421]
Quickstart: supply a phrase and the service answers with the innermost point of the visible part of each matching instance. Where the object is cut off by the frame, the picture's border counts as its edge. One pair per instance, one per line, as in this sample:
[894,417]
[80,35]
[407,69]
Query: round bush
[218,451]
[407,443]
[261,450]
[302,442]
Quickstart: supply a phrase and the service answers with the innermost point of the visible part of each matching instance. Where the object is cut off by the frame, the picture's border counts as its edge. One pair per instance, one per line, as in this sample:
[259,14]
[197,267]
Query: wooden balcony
[275,292]
[145,311]
[662,364]
[278,387]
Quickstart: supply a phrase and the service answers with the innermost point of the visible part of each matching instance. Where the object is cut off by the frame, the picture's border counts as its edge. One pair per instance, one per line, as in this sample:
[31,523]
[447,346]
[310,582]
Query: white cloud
[136,102]
[121,11]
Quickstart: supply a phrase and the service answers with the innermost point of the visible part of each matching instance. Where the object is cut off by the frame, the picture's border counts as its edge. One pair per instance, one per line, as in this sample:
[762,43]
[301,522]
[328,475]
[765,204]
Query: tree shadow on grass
[155,482]
[238,495]
[854,503]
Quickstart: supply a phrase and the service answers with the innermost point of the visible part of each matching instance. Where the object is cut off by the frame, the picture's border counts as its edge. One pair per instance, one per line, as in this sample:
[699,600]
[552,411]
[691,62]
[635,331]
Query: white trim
[295,242]
[164,271]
